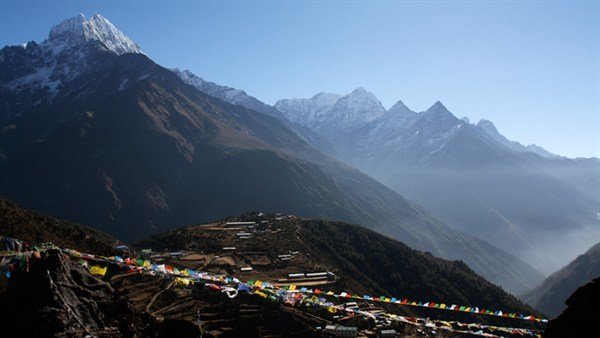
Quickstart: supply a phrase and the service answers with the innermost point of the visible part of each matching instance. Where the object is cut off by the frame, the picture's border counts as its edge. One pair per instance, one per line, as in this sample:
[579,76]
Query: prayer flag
[98,271]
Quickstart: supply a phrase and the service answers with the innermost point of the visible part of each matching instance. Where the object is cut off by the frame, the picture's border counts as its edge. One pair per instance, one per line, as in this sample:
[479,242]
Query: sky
[531,67]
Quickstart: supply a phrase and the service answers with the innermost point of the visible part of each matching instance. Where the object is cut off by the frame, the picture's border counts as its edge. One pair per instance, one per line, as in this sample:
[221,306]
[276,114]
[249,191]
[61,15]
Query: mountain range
[525,200]
[96,132]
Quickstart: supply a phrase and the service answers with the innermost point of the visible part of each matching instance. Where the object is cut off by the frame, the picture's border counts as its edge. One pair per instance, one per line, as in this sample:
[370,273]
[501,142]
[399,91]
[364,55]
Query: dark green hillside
[392,266]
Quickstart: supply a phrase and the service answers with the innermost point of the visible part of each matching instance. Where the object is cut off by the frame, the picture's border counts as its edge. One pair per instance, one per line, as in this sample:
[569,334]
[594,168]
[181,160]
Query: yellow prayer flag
[98,271]
[183,281]
[262,294]
[292,287]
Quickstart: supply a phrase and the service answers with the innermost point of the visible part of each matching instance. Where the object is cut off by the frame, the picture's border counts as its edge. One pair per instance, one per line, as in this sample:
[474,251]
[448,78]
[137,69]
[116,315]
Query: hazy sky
[530,67]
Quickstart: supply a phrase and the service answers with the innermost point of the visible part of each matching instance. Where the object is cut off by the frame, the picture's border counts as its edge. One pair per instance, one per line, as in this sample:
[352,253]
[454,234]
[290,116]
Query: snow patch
[123,84]
[41,78]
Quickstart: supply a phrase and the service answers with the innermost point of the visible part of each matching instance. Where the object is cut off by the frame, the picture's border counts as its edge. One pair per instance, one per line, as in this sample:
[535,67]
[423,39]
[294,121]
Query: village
[260,251]
[234,249]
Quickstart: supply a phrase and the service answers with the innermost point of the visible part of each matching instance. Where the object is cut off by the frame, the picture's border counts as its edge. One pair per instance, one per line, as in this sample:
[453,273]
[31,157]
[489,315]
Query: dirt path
[156,296]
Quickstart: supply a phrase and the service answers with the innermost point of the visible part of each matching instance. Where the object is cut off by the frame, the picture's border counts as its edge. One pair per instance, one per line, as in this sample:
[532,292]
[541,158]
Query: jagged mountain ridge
[129,148]
[473,178]
[580,173]
[307,111]
[241,98]
[489,128]
[333,115]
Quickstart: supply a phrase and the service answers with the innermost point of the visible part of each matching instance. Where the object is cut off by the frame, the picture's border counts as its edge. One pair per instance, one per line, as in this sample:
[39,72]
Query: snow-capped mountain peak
[332,115]
[361,94]
[98,28]
[73,48]
[400,109]
[398,116]
[325,100]
[360,91]
[307,112]
[71,26]
[488,126]
[438,108]
[359,106]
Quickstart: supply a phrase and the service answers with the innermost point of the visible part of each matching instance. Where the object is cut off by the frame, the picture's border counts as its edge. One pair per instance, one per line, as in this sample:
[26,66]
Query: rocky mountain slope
[470,176]
[241,98]
[550,296]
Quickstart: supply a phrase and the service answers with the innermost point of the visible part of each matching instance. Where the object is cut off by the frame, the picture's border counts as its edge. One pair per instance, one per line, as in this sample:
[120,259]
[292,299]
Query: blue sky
[530,67]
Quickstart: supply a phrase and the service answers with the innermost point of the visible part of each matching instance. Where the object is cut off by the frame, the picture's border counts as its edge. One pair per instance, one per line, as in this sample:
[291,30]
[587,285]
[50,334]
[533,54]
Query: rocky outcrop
[59,298]
[580,319]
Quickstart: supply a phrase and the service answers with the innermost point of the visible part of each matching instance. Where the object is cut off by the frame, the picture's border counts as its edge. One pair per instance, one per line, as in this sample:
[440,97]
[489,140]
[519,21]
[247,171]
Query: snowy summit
[96,28]
[331,114]
[72,49]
